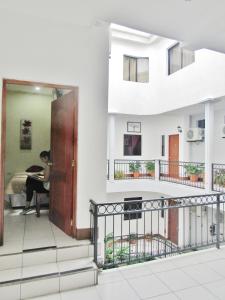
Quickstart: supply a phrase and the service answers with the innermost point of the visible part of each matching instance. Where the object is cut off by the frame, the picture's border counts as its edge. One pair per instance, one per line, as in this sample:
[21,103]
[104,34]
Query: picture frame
[134,127]
[25,134]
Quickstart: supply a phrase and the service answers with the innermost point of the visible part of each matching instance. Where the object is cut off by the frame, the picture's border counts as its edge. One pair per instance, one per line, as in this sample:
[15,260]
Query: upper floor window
[179,57]
[135,69]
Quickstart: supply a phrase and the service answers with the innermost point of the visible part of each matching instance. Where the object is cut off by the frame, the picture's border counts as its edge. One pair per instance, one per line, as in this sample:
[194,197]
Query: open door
[174,156]
[63,175]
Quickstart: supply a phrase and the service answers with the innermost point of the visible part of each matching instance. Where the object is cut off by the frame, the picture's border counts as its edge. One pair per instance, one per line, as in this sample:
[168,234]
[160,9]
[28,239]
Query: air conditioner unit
[195,134]
[223,132]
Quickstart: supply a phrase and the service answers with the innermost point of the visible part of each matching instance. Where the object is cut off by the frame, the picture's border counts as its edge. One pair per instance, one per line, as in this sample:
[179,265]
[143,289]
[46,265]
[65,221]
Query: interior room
[28,133]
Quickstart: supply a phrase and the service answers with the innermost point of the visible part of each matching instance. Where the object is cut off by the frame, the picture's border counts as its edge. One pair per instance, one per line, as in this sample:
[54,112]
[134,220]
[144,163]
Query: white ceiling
[29,89]
[199,23]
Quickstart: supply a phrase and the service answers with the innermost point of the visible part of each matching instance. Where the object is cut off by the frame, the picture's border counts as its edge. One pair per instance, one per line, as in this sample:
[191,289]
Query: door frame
[73,89]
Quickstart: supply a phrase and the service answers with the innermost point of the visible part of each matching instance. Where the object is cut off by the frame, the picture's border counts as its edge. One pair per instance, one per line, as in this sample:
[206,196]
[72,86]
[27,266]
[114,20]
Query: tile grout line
[22,257]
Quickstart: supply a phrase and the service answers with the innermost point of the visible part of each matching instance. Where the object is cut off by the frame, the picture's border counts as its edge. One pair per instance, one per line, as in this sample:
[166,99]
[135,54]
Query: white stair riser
[47,286]
[65,254]
[44,257]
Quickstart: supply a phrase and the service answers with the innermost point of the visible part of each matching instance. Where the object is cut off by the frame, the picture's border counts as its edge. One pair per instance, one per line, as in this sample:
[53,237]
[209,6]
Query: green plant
[193,169]
[220,179]
[135,167]
[132,237]
[122,253]
[109,255]
[150,166]
[108,237]
[119,175]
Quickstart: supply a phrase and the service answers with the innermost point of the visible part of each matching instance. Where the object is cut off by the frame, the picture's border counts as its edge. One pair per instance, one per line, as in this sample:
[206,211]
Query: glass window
[179,57]
[132,206]
[132,144]
[135,69]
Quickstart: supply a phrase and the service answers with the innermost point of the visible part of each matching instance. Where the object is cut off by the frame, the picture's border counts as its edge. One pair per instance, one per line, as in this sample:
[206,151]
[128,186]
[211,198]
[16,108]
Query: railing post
[218,222]
[95,237]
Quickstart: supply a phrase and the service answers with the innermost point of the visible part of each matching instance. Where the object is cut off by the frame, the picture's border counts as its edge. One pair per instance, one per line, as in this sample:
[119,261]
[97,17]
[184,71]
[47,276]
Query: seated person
[37,183]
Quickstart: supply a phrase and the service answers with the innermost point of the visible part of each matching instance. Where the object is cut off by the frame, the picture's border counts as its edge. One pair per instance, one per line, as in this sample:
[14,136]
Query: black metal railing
[218,177]
[142,230]
[134,169]
[186,173]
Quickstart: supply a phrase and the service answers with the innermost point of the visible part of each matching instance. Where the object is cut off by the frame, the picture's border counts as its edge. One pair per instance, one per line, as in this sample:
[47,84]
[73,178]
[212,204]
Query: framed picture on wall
[134,127]
[25,134]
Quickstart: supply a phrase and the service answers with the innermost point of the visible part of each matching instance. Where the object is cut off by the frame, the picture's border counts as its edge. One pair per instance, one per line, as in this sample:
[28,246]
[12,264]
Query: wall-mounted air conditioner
[223,131]
[195,134]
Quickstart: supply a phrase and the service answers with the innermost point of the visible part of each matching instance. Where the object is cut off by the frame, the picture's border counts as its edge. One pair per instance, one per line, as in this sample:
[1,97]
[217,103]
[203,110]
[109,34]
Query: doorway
[61,140]
[173,222]
[174,156]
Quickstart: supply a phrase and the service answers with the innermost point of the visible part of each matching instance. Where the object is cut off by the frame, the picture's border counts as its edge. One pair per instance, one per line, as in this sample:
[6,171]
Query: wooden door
[174,156]
[173,223]
[63,176]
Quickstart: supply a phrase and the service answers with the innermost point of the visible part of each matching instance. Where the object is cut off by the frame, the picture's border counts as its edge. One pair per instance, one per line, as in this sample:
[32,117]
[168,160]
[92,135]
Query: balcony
[142,230]
[185,173]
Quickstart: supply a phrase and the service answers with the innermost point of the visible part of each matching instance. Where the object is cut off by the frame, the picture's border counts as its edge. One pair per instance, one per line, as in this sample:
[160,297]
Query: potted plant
[119,175]
[132,238]
[135,168]
[193,171]
[150,167]
[220,179]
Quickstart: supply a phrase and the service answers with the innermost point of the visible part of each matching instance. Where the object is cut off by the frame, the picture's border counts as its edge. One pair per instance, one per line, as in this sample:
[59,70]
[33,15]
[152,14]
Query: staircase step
[51,278]
[45,255]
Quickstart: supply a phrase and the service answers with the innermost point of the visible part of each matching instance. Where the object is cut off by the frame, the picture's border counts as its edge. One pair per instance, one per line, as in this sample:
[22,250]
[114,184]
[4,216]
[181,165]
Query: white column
[112,145]
[209,132]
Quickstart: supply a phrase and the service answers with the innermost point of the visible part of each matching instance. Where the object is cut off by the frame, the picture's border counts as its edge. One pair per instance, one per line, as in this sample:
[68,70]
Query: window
[163,145]
[162,205]
[132,145]
[201,123]
[179,57]
[132,206]
[135,69]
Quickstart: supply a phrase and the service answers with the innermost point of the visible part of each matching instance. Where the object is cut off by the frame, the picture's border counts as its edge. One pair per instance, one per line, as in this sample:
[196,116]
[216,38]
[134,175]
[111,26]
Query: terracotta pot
[151,173]
[194,178]
[136,174]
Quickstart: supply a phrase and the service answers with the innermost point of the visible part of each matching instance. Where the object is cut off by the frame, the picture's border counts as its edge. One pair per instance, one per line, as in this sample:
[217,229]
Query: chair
[37,200]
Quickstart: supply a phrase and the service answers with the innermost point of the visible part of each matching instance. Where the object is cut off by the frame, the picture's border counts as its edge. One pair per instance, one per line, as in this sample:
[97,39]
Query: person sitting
[37,183]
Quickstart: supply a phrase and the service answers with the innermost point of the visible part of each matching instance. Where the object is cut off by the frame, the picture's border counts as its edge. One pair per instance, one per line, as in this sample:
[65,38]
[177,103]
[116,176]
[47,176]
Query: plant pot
[136,174]
[151,173]
[194,177]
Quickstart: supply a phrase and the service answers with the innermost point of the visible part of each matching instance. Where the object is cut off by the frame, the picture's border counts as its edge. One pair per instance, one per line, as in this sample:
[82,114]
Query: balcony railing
[218,177]
[186,173]
[134,169]
[142,230]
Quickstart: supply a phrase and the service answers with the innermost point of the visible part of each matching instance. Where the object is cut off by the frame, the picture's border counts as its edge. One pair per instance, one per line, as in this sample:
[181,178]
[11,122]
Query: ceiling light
[37,88]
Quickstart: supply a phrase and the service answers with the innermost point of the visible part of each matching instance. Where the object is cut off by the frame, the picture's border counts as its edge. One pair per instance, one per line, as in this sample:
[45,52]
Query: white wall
[42,50]
[34,107]
[193,84]
[152,127]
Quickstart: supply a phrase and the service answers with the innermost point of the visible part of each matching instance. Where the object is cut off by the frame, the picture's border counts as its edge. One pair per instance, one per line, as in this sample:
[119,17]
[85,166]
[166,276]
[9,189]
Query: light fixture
[179,129]
[37,88]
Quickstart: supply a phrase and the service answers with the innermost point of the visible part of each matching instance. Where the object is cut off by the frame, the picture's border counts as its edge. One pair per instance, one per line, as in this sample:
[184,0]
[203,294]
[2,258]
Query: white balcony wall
[201,80]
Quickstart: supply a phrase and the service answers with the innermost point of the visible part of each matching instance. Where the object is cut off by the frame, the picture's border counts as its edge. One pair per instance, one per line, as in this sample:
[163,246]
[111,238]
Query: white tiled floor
[196,276]
[29,232]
